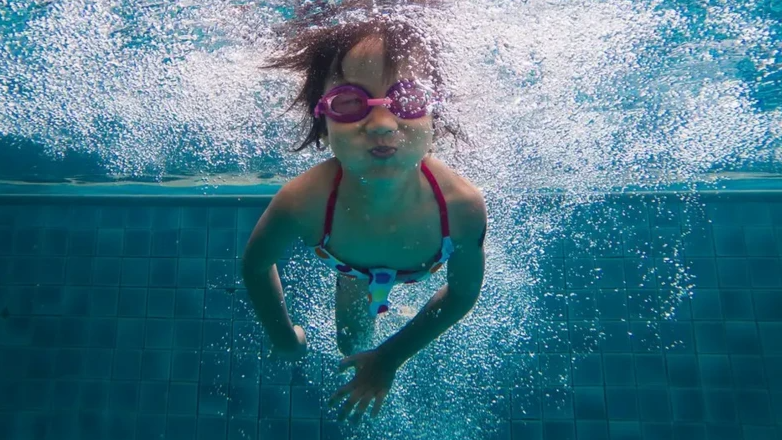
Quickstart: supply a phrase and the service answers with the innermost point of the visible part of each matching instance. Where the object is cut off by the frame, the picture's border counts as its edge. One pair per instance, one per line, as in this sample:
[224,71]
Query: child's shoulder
[310,189]
[466,206]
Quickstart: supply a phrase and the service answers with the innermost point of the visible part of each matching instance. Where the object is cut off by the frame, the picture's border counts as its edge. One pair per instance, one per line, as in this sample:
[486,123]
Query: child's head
[354,44]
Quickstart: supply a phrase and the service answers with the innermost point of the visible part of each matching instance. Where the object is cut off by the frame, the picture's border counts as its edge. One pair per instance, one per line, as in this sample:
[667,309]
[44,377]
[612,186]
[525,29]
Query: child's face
[352,143]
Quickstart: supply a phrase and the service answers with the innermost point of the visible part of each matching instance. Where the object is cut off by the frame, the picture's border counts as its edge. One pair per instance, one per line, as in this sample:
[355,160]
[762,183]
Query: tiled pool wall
[121,319]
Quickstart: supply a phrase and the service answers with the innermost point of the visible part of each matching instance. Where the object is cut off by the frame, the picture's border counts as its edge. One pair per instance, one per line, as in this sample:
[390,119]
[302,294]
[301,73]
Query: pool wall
[120,317]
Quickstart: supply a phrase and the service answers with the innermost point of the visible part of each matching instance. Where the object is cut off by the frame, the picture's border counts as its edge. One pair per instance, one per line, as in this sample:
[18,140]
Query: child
[382,211]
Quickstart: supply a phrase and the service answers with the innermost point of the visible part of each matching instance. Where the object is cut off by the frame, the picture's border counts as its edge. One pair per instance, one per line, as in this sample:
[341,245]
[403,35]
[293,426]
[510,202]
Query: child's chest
[403,242]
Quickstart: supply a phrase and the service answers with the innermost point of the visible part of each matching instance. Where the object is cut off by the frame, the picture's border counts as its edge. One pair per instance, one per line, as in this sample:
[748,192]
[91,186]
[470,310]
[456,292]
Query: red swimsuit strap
[438,195]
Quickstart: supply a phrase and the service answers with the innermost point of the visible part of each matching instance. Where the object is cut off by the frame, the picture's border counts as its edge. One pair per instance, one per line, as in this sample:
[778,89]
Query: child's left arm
[455,299]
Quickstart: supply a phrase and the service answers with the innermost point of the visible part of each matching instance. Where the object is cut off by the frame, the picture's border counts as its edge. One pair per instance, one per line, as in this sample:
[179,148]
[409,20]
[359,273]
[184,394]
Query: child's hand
[373,379]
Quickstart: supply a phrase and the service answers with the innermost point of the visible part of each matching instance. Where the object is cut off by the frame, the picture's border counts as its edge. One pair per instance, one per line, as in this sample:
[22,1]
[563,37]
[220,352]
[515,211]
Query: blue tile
[683,370]
[34,395]
[761,432]
[48,301]
[305,402]
[247,336]
[616,339]
[112,217]
[554,337]
[624,430]
[729,241]
[160,303]
[619,369]
[748,372]
[192,272]
[243,429]
[97,363]
[192,243]
[106,271]
[640,273]
[138,243]
[82,243]
[149,426]
[706,304]
[612,304]
[243,236]
[220,273]
[135,272]
[710,337]
[91,424]
[244,400]
[187,334]
[555,369]
[621,403]
[132,302]
[189,303]
[67,363]
[698,241]
[217,335]
[41,363]
[589,403]
[657,431]
[165,218]
[78,271]
[72,332]
[637,241]
[554,306]
[742,337]
[165,243]
[185,366]
[650,369]
[776,400]
[222,218]
[720,405]
[221,243]
[183,398]
[581,304]
[737,304]
[528,430]
[768,305]
[723,213]
[579,273]
[666,241]
[127,364]
[584,337]
[138,217]
[733,273]
[123,396]
[193,217]
[771,337]
[212,399]
[653,405]
[689,431]
[51,270]
[54,242]
[755,213]
[156,365]
[642,304]
[110,242]
[687,404]
[218,304]
[65,394]
[592,430]
[560,430]
[104,301]
[275,401]
[153,397]
[557,403]
[760,241]
[159,334]
[94,395]
[773,365]
[27,241]
[526,403]
[181,427]
[215,367]
[130,333]
[610,273]
[276,429]
[84,217]
[309,429]
[754,407]
[163,272]
[103,332]
[765,272]
[24,270]
[6,241]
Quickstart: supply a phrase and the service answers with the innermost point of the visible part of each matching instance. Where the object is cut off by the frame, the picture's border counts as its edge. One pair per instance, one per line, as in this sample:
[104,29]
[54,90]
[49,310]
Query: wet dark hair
[315,42]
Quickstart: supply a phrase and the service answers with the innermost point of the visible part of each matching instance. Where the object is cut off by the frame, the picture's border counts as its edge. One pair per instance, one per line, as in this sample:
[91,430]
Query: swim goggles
[351,103]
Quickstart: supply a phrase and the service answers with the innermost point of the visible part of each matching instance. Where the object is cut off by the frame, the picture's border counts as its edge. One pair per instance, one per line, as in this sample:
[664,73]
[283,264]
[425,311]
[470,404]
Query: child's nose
[381,121]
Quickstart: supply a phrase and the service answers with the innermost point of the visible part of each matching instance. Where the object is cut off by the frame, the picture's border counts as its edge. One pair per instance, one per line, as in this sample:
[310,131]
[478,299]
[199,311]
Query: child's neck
[381,196]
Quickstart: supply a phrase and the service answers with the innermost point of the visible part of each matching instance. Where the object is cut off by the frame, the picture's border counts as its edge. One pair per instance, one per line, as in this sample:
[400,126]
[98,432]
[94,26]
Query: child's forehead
[365,63]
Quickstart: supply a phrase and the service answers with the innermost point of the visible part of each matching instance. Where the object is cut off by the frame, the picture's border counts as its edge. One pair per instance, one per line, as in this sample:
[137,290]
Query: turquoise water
[628,151]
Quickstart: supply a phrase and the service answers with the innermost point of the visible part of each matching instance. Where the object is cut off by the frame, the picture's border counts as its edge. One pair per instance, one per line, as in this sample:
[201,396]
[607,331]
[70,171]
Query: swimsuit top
[382,279]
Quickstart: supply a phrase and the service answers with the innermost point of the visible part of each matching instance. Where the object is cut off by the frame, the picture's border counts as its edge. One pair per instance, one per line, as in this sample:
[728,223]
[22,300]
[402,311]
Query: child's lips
[382,151]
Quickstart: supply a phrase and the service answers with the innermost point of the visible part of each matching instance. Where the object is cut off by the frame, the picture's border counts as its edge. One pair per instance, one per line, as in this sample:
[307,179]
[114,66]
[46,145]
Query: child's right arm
[275,230]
